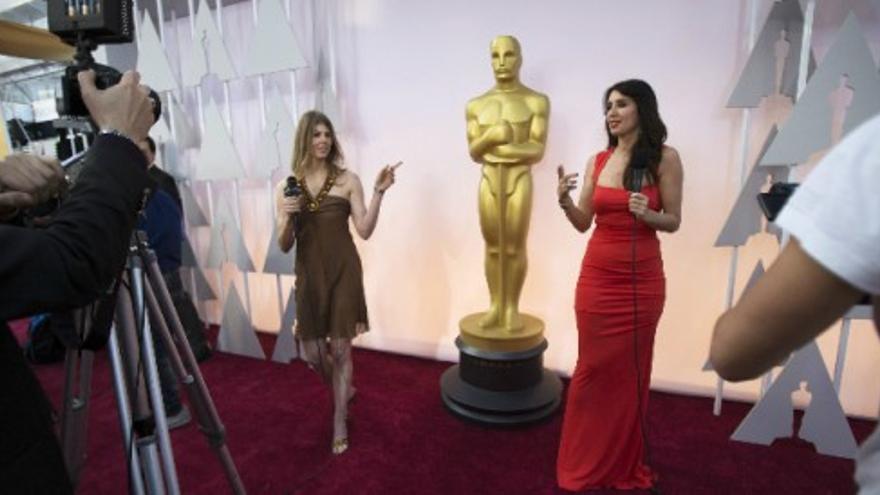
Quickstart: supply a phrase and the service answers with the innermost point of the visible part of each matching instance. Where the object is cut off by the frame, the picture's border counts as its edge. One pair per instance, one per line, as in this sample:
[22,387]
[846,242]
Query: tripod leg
[75,412]
[136,482]
[148,354]
[185,365]
[136,356]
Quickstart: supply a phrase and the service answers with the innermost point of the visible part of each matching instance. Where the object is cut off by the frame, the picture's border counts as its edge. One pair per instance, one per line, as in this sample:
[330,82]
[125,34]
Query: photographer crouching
[64,266]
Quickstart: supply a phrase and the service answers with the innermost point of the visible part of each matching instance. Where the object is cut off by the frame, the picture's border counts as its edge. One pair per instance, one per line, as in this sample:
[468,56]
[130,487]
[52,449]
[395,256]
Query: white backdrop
[405,73]
[404,70]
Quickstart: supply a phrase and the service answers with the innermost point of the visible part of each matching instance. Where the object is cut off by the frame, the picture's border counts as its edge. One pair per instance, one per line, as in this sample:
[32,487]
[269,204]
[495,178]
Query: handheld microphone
[639,164]
[292,188]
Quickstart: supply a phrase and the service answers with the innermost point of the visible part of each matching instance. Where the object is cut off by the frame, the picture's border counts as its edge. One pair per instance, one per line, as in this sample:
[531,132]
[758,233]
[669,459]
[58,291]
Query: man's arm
[72,261]
[796,300]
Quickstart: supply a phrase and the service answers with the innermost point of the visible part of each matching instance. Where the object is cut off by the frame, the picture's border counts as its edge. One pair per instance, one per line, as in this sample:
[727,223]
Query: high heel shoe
[339,445]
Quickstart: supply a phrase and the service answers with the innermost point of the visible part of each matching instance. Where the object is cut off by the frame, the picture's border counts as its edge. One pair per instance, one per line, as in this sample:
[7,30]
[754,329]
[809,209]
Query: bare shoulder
[348,179]
[670,161]
[670,154]
[591,165]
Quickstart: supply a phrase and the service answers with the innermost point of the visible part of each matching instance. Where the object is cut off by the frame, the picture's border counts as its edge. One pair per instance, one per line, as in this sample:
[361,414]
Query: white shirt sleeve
[835,213]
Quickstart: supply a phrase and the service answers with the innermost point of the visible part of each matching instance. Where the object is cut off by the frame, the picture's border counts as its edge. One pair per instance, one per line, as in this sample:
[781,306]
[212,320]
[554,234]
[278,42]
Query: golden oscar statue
[500,377]
[506,131]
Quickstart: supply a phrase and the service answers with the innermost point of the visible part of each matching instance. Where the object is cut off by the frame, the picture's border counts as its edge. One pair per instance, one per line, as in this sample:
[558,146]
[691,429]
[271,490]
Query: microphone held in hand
[292,188]
[639,165]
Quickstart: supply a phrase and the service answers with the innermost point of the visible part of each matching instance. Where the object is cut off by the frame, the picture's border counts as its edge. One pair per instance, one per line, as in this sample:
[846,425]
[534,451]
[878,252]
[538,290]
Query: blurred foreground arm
[790,305]
[833,257]
[72,261]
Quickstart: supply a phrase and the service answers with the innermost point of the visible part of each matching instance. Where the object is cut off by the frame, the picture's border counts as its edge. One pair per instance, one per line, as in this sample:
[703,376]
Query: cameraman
[67,265]
[833,258]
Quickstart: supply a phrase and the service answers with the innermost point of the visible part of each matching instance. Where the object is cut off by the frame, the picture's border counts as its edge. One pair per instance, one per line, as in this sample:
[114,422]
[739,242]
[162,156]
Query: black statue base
[500,388]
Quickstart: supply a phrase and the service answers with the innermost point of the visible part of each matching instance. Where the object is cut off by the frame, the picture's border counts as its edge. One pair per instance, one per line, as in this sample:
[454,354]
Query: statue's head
[506,58]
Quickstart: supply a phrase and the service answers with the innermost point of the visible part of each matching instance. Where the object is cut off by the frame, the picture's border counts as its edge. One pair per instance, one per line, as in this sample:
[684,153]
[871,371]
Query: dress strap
[601,159]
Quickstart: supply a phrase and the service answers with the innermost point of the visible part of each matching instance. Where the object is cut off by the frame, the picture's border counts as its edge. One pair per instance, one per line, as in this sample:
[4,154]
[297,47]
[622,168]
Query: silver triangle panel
[808,128]
[327,101]
[276,143]
[152,61]
[277,261]
[757,273]
[170,161]
[329,104]
[224,214]
[186,132]
[202,289]
[744,219]
[274,46]
[759,76]
[285,344]
[209,53]
[216,249]
[160,132]
[236,333]
[235,248]
[195,216]
[824,422]
[707,366]
[217,158]
[187,255]
[238,250]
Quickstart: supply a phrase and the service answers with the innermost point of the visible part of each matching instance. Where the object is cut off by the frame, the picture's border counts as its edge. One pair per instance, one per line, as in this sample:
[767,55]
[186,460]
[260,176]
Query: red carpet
[278,419]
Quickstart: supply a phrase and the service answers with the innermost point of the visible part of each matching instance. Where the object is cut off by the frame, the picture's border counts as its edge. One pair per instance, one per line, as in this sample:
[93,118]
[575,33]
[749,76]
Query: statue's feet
[512,320]
[491,319]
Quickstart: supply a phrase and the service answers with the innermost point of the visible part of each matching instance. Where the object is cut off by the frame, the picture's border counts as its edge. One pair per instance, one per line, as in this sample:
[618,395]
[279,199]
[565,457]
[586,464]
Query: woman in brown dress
[329,291]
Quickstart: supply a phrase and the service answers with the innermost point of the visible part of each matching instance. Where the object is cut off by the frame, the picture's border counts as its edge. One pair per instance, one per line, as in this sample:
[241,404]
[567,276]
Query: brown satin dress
[329,280]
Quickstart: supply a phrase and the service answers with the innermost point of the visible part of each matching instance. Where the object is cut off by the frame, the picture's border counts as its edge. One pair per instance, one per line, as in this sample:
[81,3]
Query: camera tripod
[143,305]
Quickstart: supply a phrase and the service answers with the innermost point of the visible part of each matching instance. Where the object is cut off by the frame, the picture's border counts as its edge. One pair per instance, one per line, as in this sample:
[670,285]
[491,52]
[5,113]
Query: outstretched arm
[364,218]
[581,214]
[796,300]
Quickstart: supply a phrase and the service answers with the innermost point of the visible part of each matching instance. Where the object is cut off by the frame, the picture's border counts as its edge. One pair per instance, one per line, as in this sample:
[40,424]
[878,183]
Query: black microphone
[292,189]
[638,163]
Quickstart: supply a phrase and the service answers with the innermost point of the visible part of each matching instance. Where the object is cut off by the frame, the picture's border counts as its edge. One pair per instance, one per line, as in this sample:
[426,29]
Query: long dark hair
[301,145]
[652,131]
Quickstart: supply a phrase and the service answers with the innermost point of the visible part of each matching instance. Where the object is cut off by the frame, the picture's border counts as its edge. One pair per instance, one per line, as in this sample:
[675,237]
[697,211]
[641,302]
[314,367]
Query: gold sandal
[339,445]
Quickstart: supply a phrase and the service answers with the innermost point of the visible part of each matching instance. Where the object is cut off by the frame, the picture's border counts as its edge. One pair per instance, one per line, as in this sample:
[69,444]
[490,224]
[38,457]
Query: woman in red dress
[620,292]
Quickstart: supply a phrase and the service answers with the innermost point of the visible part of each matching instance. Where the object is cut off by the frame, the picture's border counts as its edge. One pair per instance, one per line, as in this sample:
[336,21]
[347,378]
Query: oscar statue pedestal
[500,378]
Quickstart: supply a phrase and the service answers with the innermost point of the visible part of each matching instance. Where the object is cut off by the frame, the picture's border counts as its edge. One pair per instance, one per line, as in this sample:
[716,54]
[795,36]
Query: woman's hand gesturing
[567,182]
[386,177]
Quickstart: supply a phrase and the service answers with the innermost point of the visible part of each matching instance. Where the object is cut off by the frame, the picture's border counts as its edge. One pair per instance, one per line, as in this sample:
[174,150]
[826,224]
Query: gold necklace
[312,203]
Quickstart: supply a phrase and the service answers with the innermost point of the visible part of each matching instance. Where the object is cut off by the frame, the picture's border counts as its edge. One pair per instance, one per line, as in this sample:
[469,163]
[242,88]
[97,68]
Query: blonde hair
[305,129]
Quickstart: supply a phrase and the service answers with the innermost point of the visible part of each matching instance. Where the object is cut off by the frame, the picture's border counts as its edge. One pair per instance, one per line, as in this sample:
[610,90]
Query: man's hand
[124,107]
[28,180]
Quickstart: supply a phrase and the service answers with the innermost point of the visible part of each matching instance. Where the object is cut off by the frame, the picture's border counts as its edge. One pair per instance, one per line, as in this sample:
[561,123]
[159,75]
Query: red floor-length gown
[602,439]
